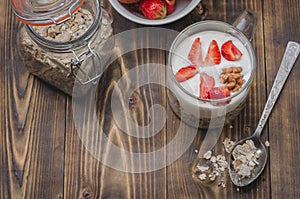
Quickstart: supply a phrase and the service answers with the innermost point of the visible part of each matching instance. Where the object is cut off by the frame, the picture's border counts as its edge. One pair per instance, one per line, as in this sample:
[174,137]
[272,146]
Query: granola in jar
[62,53]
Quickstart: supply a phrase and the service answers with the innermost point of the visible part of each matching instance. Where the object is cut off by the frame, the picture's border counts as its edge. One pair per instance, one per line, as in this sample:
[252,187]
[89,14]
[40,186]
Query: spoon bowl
[262,160]
[287,63]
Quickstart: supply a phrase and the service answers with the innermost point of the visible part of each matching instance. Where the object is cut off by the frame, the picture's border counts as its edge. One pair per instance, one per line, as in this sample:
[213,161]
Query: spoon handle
[290,56]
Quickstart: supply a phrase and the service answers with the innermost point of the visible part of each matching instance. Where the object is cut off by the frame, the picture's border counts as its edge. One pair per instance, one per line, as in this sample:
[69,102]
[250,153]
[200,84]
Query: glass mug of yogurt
[212,66]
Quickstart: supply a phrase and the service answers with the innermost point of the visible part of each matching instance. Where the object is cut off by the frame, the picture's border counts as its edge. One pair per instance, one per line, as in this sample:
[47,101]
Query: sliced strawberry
[219,92]
[213,56]
[195,54]
[206,84]
[186,73]
[230,51]
[170,4]
[153,9]
[207,80]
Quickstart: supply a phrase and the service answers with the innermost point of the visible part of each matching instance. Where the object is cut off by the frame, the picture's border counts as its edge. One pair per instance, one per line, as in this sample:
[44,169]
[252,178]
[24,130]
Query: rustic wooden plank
[4,180]
[84,173]
[33,118]
[281,24]
[241,127]
[87,173]
[179,173]
[247,122]
[32,125]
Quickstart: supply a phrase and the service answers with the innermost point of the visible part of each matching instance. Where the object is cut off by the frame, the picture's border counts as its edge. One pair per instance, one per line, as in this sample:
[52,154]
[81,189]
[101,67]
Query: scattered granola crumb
[222,183]
[202,176]
[213,159]
[228,145]
[207,155]
[237,189]
[214,168]
[230,126]
[203,168]
[212,178]
[196,151]
[267,143]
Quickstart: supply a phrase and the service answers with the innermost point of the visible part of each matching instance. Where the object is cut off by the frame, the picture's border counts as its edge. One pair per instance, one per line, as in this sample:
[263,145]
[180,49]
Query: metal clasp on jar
[77,62]
[69,16]
[46,20]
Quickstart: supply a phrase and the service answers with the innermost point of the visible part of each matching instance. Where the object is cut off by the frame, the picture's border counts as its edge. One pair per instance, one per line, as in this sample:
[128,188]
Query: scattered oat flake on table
[213,159]
[207,155]
[202,168]
[214,168]
[228,145]
[202,176]
[267,143]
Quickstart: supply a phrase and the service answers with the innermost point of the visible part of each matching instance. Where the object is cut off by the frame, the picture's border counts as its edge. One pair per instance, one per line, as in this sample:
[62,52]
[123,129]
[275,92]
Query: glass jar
[67,42]
[184,99]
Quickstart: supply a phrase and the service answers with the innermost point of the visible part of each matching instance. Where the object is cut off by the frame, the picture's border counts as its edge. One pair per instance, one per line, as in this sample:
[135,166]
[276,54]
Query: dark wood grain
[32,136]
[284,121]
[241,127]
[43,155]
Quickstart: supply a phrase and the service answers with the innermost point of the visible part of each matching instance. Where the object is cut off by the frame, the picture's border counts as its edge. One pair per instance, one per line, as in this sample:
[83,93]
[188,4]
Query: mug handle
[246,23]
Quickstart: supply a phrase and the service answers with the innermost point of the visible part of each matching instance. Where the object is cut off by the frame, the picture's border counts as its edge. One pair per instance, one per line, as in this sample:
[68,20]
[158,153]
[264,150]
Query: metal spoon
[287,63]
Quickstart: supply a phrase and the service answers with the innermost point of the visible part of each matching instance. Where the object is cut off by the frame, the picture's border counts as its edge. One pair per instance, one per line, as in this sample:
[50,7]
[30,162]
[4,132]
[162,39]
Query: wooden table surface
[42,156]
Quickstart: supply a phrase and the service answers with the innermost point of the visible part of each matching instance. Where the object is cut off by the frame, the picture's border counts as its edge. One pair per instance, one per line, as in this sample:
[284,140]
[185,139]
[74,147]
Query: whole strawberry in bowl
[170,5]
[154,12]
[153,9]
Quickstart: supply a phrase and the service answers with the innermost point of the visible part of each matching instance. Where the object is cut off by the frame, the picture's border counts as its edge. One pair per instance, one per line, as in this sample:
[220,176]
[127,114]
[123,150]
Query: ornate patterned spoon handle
[287,63]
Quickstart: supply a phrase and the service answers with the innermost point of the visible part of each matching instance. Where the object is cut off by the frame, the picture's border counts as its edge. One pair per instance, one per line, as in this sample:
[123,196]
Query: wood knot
[131,100]
[59,196]
[87,193]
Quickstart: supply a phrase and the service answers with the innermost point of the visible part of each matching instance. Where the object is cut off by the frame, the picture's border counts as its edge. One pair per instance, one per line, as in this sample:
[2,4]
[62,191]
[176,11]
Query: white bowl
[183,7]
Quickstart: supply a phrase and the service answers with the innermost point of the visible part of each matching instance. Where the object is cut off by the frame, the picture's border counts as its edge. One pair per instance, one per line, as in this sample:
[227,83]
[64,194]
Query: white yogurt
[180,59]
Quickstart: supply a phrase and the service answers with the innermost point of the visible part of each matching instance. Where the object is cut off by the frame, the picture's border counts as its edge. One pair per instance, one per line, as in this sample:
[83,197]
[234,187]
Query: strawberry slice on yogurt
[213,55]
[195,54]
[186,73]
[230,51]
[219,92]
[208,89]
[207,83]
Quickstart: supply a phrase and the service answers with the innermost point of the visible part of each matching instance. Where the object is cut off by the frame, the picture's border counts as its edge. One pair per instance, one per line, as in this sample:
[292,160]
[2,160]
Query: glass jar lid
[45,12]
